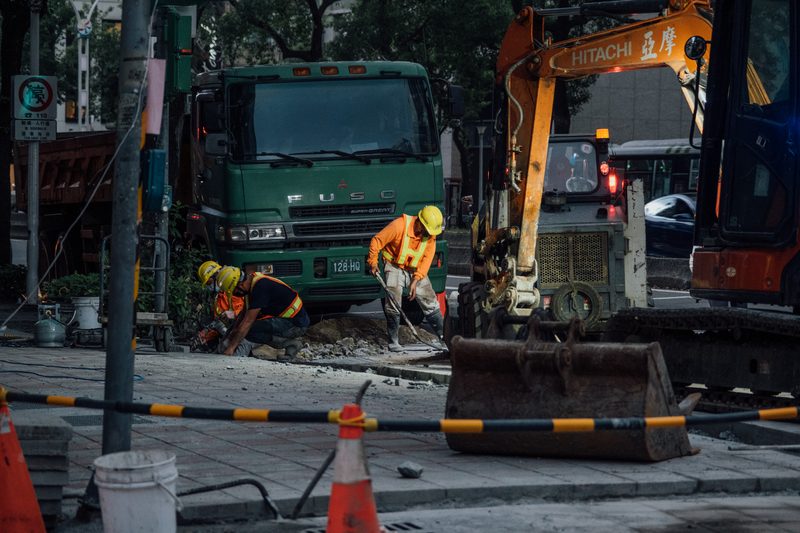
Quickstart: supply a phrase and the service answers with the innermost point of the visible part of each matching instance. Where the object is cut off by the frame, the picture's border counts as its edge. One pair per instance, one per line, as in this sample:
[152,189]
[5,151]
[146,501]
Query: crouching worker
[273,314]
[408,245]
[225,308]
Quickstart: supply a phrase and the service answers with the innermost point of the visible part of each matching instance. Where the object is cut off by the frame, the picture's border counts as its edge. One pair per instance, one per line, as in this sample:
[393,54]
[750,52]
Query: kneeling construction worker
[408,245]
[273,314]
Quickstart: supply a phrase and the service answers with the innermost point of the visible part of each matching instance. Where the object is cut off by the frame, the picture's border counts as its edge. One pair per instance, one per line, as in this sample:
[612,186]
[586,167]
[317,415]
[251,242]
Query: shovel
[400,310]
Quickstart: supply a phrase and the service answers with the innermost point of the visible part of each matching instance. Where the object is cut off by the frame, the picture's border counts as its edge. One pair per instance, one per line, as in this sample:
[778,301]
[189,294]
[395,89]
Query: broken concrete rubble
[345,337]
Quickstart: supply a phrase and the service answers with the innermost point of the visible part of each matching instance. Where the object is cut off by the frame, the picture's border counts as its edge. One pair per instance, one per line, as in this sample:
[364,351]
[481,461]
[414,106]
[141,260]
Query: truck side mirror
[216,144]
[213,117]
[455,97]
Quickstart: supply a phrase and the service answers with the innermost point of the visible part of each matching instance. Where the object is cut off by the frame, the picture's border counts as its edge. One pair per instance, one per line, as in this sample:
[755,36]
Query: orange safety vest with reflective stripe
[408,257]
[222,304]
[289,312]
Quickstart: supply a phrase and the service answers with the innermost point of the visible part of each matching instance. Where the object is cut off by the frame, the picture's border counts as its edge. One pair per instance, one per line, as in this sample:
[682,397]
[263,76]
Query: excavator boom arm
[528,65]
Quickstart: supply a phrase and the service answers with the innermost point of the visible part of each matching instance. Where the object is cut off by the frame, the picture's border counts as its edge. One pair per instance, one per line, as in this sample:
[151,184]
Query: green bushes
[13,286]
[72,286]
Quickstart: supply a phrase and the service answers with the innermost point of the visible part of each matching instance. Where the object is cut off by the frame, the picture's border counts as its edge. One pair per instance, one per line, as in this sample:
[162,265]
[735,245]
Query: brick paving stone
[285,456]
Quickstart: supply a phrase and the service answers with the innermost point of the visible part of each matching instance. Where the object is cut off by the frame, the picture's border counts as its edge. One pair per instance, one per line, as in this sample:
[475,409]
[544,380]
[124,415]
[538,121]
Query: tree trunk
[561,117]
[16,21]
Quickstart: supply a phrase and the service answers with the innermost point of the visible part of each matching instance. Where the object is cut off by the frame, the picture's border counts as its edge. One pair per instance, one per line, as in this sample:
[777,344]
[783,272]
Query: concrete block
[59,463]
[48,492]
[49,477]
[46,447]
[32,425]
[50,507]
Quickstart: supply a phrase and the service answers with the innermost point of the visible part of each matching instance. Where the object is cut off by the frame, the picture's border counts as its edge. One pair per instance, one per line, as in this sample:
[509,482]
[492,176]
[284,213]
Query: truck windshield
[571,167]
[344,115]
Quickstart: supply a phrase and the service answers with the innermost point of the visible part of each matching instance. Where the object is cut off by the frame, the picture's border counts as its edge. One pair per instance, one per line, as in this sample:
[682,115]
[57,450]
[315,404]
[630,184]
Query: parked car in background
[669,225]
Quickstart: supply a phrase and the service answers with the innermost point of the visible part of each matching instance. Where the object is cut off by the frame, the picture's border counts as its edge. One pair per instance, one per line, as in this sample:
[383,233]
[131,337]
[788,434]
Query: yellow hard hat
[207,271]
[228,278]
[431,218]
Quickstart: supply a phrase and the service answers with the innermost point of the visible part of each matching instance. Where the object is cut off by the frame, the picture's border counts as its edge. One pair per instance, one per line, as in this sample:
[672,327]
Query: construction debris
[410,470]
[345,337]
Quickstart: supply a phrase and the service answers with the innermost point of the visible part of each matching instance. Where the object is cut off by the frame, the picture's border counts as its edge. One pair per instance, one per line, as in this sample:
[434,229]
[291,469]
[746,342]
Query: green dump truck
[295,167]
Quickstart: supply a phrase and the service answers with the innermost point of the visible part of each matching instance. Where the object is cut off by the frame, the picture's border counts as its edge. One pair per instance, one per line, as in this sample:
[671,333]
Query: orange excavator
[525,364]
[748,213]
[746,224]
[528,66]
[748,204]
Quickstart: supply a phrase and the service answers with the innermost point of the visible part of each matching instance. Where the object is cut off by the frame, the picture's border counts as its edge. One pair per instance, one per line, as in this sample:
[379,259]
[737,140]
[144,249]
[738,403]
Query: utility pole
[32,279]
[125,224]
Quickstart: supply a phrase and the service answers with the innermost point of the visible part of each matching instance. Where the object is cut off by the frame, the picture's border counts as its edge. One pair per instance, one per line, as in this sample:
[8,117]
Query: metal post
[481,128]
[85,117]
[162,252]
[126,217]
[32,279]
[82,99]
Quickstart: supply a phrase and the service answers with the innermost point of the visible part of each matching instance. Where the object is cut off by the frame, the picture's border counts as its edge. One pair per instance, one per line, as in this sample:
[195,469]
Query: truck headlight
[256,233]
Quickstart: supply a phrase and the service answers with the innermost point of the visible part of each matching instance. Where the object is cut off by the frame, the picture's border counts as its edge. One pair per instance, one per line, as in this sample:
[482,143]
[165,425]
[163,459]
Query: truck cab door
[759,194]
[209,149]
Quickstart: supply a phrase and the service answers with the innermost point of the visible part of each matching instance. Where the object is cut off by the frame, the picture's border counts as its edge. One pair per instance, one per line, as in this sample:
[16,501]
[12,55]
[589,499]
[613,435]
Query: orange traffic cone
[352,504]
[19,510]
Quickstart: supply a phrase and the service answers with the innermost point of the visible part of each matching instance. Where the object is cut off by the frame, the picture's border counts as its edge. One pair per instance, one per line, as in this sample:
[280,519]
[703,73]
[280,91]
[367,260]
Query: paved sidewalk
[284,457]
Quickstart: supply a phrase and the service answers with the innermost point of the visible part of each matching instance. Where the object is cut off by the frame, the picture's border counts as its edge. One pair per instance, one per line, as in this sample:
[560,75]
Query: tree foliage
[268,31]
[58,46]
[15,23]
[454,40]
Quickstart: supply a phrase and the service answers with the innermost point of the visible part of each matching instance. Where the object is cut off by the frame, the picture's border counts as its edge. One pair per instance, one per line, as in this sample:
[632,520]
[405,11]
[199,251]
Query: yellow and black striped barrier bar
[555,425]
[177,411]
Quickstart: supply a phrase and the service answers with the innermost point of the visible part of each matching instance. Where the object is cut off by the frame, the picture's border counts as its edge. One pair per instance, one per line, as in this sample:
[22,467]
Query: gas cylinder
[48,333]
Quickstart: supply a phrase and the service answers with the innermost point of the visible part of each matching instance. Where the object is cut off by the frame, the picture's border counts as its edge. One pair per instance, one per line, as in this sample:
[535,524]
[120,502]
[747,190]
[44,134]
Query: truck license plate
[345,266]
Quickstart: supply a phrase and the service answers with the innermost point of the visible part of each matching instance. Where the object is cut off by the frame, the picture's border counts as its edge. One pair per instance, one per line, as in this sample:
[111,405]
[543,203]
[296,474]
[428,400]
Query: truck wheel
[582,301]
[158,338]
[473,320]
[166,340]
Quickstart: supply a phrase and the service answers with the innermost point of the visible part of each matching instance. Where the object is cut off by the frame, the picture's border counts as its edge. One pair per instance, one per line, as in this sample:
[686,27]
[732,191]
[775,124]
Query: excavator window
[759,189]
[571,167]
[768,63]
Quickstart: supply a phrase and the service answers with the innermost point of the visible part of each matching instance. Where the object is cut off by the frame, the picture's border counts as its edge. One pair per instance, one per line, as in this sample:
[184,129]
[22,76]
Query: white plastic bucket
[137,491]
[86,311]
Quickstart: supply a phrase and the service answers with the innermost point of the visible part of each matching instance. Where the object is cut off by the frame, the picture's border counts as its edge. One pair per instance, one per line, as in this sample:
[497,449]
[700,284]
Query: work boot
[436,321]
[290,346]
[244,348]
[393,327]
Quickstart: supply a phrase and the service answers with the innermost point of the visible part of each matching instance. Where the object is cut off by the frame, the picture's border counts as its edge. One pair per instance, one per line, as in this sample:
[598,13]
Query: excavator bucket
[504,378]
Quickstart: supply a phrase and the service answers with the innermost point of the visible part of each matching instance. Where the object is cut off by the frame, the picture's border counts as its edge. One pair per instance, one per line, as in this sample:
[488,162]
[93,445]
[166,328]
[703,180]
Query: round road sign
[35,94]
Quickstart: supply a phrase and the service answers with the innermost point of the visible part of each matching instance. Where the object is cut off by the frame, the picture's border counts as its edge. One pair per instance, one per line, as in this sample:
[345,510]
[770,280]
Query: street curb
[462,497]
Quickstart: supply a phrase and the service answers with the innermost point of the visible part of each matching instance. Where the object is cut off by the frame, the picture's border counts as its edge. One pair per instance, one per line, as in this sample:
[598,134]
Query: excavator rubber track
[725,350]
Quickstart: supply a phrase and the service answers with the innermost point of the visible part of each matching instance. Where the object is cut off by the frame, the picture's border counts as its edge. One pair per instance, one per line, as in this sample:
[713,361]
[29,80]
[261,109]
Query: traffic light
[178,37]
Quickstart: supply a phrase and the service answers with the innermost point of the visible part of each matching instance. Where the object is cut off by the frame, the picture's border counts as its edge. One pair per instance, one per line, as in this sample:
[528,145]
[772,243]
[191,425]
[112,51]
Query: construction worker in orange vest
[274,314]
[407,246]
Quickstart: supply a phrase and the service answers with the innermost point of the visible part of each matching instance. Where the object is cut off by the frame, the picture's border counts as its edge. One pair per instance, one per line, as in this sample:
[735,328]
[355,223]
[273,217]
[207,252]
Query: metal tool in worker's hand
[397,306]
